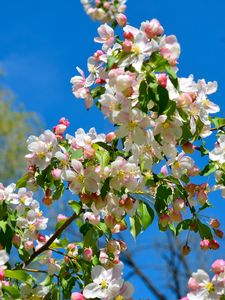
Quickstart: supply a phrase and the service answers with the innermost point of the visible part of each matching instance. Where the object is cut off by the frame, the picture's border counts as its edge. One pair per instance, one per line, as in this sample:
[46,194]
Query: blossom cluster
[158,116]
[26,216]
[201,287]
[121,179]
[104,10]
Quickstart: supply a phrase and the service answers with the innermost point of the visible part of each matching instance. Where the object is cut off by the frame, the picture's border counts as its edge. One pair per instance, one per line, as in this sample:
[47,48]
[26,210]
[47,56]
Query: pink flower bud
[128,35]
[214,223]
[2,274]
[202,197]
[204,244]
[219,233]
[193,284]
[100,81]
[41,238]
[164,170]
[110,137]
[92,218]
[164,220]
[64,121]
[113,246]
[218,266]
[56,173]
[123,246]
[97,54]
[193,172]
[127,46]
[29,245]
[110,221]
[88,252]
[175,216]
[179,204]
[71,247]
[152,29]
[16,240]
[6,283]
[188,148]
[106,5]
[59,129]
[103,257]
[77,296]
[214,245]
[116,259]
[61,217]
[121,20]
[162,80]
[89,152]
[186,250]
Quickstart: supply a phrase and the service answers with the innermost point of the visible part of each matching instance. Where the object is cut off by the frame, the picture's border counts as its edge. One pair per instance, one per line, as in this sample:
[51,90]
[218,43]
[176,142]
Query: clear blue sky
[41,43]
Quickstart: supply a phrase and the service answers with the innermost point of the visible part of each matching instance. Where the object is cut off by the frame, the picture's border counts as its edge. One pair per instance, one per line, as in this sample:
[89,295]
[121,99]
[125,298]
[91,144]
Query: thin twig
[52,238]
[146,280]
[38,271]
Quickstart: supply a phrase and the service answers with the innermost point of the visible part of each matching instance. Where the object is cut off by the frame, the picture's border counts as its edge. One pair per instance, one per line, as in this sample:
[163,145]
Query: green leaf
[76,207]
[172,77]
[143,96]
[146,214]
[12,291]
[105,146]
[22,182]
[91,238]
[158,63]
[170,108]
[76,154]
[58,192]
[186,133]
[162,198]
[209,169]
[105,188]
[183,225]
[47,281]
[163,99]
[204,231]
[206,205]
[97,92]
[135,225]
[20,275]
[111,61]
[217,122]
[203,151]
[3,225]
[102,155]
[103,227]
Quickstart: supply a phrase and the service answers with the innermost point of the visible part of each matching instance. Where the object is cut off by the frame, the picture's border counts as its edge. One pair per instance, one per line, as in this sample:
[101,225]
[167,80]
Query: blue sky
[41,43]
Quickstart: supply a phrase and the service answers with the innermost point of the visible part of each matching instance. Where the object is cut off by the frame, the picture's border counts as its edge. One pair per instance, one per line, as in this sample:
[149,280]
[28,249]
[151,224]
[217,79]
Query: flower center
[176,165]
[166,125]
[132,125]
[119,298]
[136,50]
[104,284]
[41,155]
[121,174]
[210,287]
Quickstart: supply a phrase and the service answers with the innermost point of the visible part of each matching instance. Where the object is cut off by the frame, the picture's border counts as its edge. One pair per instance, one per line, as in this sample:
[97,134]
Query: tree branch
[145,279]
[52,238]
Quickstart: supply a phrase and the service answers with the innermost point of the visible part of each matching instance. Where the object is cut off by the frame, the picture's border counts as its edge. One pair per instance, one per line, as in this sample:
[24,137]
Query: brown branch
[217,128]
[52,238]
[145,279]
